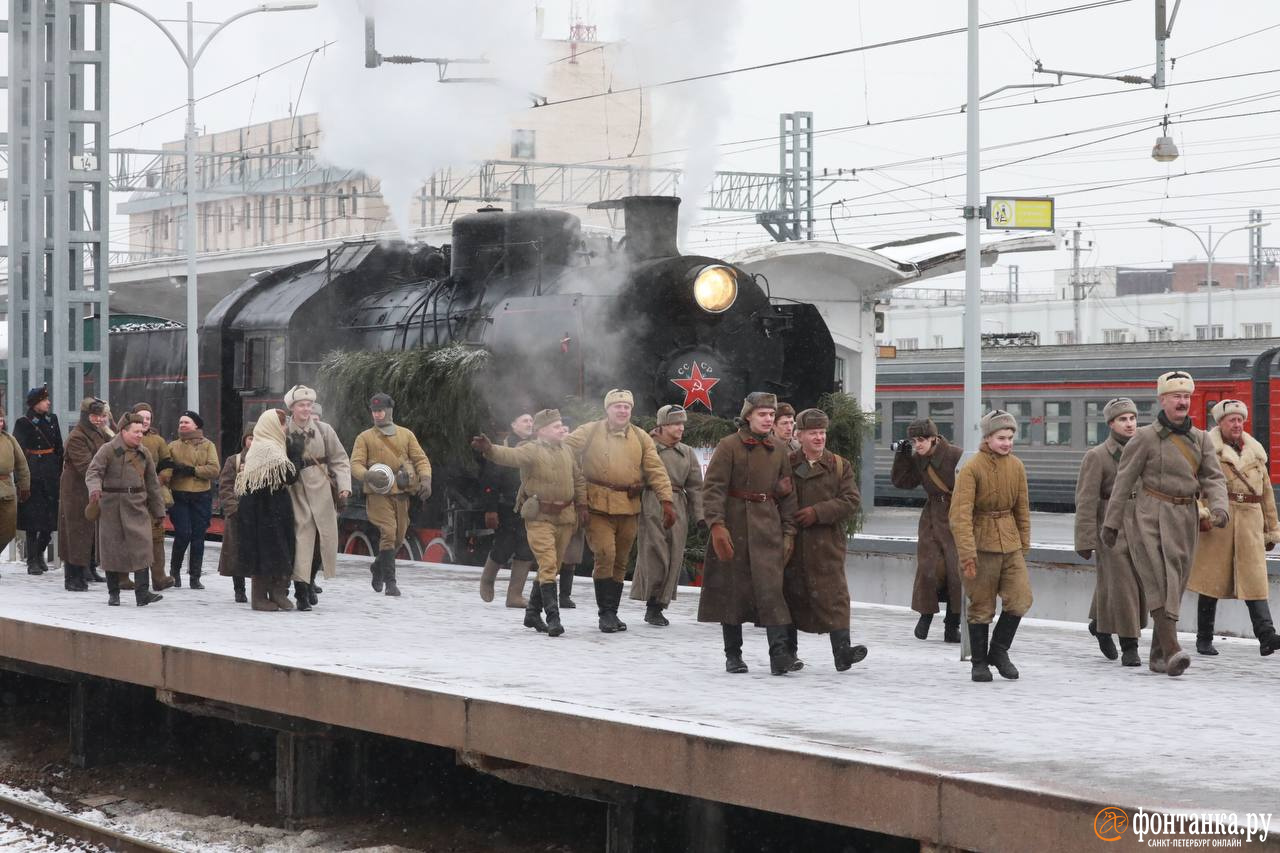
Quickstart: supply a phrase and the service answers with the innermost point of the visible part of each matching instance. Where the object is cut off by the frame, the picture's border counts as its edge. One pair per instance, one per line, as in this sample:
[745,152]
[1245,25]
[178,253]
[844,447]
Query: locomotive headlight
[715,289]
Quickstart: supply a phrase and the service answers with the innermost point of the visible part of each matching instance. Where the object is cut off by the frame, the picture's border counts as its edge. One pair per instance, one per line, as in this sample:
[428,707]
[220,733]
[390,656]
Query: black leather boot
[388,575]
[845,654]
[653,614]
[313,588]
[34,563]
[1206,615]
[73,578]
[1263,629]
[142,593]
[780,658]
[92,575]
[1129,652]
[604,598]
[1001,640]
[1106,644]
[733,661]
[113,589]
[978,652]
[922,626]
[42,547]
[375,570]
[793,646]
[238,583]
[550,604]
[533,610]
[951,628]
[302,596]
[566,587]
[615,601]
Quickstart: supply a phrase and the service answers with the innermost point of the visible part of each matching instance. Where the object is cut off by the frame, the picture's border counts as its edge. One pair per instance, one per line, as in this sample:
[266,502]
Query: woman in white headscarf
[266,541]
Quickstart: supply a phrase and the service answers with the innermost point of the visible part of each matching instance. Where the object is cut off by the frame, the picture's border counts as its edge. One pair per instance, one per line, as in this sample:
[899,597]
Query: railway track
[67,826]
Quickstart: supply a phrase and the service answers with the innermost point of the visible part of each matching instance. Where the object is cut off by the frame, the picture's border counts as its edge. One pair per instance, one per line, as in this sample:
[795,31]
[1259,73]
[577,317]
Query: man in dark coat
[510,544]
[815,586]
[40,438]
[926,460]
[748,501]
[77,535]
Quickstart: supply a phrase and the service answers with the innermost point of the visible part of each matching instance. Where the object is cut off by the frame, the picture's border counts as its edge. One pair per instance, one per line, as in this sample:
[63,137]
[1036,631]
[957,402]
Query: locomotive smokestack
[651,224]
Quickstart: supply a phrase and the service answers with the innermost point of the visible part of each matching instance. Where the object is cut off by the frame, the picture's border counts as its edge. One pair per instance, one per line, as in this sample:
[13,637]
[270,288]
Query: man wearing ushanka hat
[1164,468]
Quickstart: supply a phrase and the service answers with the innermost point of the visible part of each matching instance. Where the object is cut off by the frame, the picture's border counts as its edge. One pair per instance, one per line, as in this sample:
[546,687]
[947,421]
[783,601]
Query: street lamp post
[190,56]
[1210,249]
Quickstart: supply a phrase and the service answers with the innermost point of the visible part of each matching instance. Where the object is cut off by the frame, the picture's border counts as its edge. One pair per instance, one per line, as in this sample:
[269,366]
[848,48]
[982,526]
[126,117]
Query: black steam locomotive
[558,316]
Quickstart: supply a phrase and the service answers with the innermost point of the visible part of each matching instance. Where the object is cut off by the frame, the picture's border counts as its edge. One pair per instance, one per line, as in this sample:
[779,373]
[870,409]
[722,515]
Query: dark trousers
[190,516]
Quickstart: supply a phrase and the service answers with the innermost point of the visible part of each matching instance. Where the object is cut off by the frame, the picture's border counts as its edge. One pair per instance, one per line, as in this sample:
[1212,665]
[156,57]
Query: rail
[73,827]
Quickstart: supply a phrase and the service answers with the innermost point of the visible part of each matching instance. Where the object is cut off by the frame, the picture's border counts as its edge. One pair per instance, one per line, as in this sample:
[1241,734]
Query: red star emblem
[697,388]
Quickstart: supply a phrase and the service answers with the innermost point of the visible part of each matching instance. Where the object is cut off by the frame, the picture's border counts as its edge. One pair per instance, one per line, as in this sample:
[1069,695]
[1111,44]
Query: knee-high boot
[237,583]
[488,575]
[781,660]
[533,610]
[845,653]
[1001,640]
[1206,614]
[113,589]
[550,604]
[1166,628]
[142,593]
[515,585]
[566,587]
[1263,629]
[733,649]
[34,563]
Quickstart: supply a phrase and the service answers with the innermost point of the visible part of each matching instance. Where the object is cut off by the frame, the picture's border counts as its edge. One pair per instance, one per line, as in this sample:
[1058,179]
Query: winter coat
[1232,562]
[75,532]
[265,540]
[41,440]
[398,452]
[748,587]
[618,459]
[990,510]
[937,566]
[660,552]
[548,472]
[14,473]
[1118,603]
[228,554]
[1162,535]
[815,586]
[198,452]
[159,449]
[325,462]
[124,526]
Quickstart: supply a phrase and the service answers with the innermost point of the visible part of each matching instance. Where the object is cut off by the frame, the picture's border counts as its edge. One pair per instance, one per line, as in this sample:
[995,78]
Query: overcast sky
[859,102]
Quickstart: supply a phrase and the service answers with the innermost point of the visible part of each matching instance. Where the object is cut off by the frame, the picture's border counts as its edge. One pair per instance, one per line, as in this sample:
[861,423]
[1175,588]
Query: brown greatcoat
[815,586]
[124,527]
[660,555]
[230,502]
[748,588]
[1162,535]
[624,457]
[990,510]
[13,466]
[75,532]
[156,445]
[1232,562]
[1118,604]
[937,567]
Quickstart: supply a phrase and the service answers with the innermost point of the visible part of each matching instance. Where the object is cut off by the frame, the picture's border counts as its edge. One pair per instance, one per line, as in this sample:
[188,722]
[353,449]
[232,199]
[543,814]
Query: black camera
[900,445]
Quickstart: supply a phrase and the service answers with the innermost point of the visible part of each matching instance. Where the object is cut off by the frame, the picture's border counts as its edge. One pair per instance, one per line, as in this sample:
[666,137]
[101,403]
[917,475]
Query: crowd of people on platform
[1163,507]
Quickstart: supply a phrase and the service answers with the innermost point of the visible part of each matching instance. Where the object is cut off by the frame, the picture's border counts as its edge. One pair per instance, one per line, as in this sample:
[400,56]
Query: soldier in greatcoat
[324,480]
[748,500]
[229,501]
[1118,606]
[619,462]
[660,554]
[991,522]
[927,460]
[1232,562]
[122,480]
[40,438]
[158,447]
[553,501]
[1162,469]
[76,539]
[815,587]
[499,489]
[15,483]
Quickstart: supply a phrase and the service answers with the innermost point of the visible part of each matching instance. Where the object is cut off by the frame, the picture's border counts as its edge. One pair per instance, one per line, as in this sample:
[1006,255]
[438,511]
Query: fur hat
[812,419]
[922,428]
[142,407]
[1175,381]
[618,395]
[381,401]
[35,395]
[784,410]
[672,415]
[299,394]
[195,418]
[998,419]
[545,418]
[93,406]
[758,400]
[127,419]
[1229,407]
[1117,407]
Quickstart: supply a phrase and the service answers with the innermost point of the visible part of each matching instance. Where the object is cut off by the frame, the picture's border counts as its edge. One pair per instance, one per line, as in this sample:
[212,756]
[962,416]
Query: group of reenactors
[1162,508]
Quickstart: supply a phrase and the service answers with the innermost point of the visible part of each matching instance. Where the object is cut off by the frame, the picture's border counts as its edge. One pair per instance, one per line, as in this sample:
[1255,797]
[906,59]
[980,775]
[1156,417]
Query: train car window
[1096,429]
[1209,421]
[1057,423]
[1020,409]
[238,366]
[944,415]
[879,421]
[1146,411]
[255,369]
[277,378]
[904,412]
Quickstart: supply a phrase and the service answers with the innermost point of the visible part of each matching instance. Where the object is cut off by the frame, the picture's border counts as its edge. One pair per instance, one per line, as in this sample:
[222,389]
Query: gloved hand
[1220,518]
[184,471]
[584,515]
[1085,553]
[491,521]
[969,569]
[1109,536]
[424,489]
[788,547]
[23,495]
[806,516]
[481,443]
[668,515]
[721,542]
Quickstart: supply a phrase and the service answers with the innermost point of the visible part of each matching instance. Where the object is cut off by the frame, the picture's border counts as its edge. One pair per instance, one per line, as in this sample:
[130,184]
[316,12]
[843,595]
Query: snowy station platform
[902,744]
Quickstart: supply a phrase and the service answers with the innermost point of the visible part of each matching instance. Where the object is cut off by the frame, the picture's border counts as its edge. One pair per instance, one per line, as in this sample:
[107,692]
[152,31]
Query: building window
[1115,336]
[938,342]
[523,144]
[248,215]
[1065,338]
[904,412]
[908,343]
[342,203]
[306,208]
[275,211]
[1202,284]
[354,212]
[1057,423]
[1160,333]
[289,209]
[1202,332]
[839,377]
[231,218]
[944,416]
[1256,330]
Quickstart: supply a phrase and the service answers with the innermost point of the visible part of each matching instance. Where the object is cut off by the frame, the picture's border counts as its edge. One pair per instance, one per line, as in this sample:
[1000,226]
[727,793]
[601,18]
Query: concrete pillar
[304,776]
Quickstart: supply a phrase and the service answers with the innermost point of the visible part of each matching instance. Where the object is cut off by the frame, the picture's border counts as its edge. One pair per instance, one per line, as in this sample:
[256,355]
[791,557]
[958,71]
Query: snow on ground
[1075,723]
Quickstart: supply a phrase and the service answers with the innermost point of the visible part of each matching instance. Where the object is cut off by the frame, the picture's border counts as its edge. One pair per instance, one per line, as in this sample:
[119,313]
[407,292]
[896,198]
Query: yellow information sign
[1011,213]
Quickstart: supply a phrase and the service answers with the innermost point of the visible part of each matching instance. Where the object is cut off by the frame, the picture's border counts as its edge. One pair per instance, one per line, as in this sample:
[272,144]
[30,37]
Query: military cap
[1229,407]
[922,428]
[1175,381]
[996,420]
[127,419]
[195,418]
[812,419]
[381,401]
[93,406]
[299,394]
[142,407]
[35,395]
[618,395]
[785,410]
[672,415]
[758,400]
[1117,407]
[545,418]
